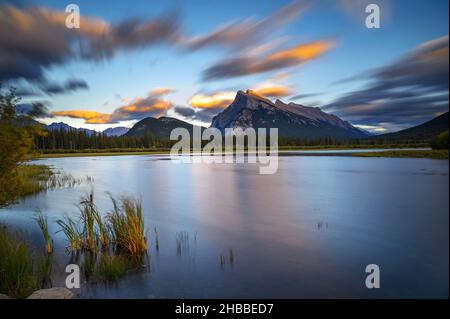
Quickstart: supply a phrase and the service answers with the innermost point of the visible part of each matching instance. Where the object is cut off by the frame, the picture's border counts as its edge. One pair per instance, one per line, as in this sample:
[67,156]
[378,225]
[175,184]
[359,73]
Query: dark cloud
[184,111]
[305,96]
[68,87]
[33,39]
[37,109]
[203,115]
[410,91]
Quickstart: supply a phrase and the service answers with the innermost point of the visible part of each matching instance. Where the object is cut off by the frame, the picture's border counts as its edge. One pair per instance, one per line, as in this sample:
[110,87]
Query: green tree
[16,142]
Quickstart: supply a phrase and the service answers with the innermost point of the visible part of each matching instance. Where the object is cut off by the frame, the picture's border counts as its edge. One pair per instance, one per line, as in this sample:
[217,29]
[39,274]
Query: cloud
[202,115]
[216,100]
[243,65]
[136,109]
[90,117]
[33,39]
[184,111]
[160,91]
[70,86]
[407,92]
[246,33]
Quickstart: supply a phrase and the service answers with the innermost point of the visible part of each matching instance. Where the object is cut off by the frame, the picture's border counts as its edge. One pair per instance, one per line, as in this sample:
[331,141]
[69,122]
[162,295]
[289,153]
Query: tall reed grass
[121,229]
[43,225]
[21,272]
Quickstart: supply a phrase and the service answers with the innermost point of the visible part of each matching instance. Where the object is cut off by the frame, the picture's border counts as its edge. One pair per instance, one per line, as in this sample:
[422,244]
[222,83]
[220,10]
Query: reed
[72,232]
[88,213]
[111,267]
[21,273]
[127,226]
[43,225]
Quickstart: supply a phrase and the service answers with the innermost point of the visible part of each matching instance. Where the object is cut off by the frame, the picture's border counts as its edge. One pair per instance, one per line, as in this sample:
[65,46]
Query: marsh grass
[43,226]
[112,267]
[127,227]
[109,245]
[21,272]
[73,233]
[34,179]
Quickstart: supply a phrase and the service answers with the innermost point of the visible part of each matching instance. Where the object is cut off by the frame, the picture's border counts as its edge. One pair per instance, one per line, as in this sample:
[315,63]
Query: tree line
[62,139]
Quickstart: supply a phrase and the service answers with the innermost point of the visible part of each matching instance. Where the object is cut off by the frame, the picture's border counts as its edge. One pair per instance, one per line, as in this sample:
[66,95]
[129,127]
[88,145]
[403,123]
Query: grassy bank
[25,180]
[433,154]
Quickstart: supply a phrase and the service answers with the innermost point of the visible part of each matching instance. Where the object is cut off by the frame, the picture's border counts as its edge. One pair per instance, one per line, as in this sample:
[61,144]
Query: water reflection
[307,231]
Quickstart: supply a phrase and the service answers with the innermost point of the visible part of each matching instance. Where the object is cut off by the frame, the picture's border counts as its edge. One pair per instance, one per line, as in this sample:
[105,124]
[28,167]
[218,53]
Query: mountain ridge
[293,120]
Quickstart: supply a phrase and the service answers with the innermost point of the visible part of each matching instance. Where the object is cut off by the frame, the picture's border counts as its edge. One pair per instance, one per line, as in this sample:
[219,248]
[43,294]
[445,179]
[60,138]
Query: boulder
[52,293]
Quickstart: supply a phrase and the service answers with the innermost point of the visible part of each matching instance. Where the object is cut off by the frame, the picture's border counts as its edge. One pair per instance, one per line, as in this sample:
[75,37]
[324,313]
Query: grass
[122,229]
[73,234]
[32,179]
[433,154]
[21,273]
[112,267]
[127,226]
[43,225]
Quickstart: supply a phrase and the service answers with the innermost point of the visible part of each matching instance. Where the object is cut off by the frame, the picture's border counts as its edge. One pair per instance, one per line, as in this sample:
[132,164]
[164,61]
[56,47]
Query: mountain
[293,120]
[65,127]
[425,131]
[116,131]
[160,127]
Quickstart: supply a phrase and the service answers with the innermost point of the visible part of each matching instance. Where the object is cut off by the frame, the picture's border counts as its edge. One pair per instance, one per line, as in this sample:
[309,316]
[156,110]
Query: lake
[307,231]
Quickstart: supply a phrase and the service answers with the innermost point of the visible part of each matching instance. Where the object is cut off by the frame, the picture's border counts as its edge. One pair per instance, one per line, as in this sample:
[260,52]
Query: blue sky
[356,51]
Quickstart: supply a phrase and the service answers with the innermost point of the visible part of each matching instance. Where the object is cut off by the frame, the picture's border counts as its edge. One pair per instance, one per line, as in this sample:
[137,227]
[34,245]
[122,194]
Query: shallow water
[307,231]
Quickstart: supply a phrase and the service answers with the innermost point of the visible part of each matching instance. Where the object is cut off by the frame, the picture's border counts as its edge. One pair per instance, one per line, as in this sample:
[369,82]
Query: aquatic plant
[127,226]
[72,232]
[111,267]
[21,273]
[43,226]
[88,213]
[231,256]
[182,241]
[156,240]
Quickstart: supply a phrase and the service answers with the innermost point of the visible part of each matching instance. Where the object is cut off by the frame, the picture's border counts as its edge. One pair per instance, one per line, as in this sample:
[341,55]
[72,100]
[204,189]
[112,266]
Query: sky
[187,59]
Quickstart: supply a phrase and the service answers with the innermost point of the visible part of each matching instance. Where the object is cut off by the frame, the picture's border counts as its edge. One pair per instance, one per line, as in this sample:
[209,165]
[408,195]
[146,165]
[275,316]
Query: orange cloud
[137,109]
[301,52]
[160,91]
[217,100]
[274,91]
[242,65]
[90,117]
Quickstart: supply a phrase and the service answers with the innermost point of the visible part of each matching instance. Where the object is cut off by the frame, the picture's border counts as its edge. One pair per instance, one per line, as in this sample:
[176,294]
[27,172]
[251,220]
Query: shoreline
[386,152]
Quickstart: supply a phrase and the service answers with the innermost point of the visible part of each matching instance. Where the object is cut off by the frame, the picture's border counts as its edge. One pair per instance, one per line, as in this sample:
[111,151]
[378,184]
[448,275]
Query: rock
[2,296]
[52,293]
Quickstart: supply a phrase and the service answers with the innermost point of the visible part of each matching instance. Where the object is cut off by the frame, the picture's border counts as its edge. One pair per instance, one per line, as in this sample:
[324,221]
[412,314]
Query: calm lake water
[307,231]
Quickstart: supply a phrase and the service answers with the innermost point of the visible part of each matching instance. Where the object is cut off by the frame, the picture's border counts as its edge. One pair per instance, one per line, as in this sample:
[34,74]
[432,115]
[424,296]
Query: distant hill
[65,127]
[160,127]
[116,131]
[425,131]
[292,120]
